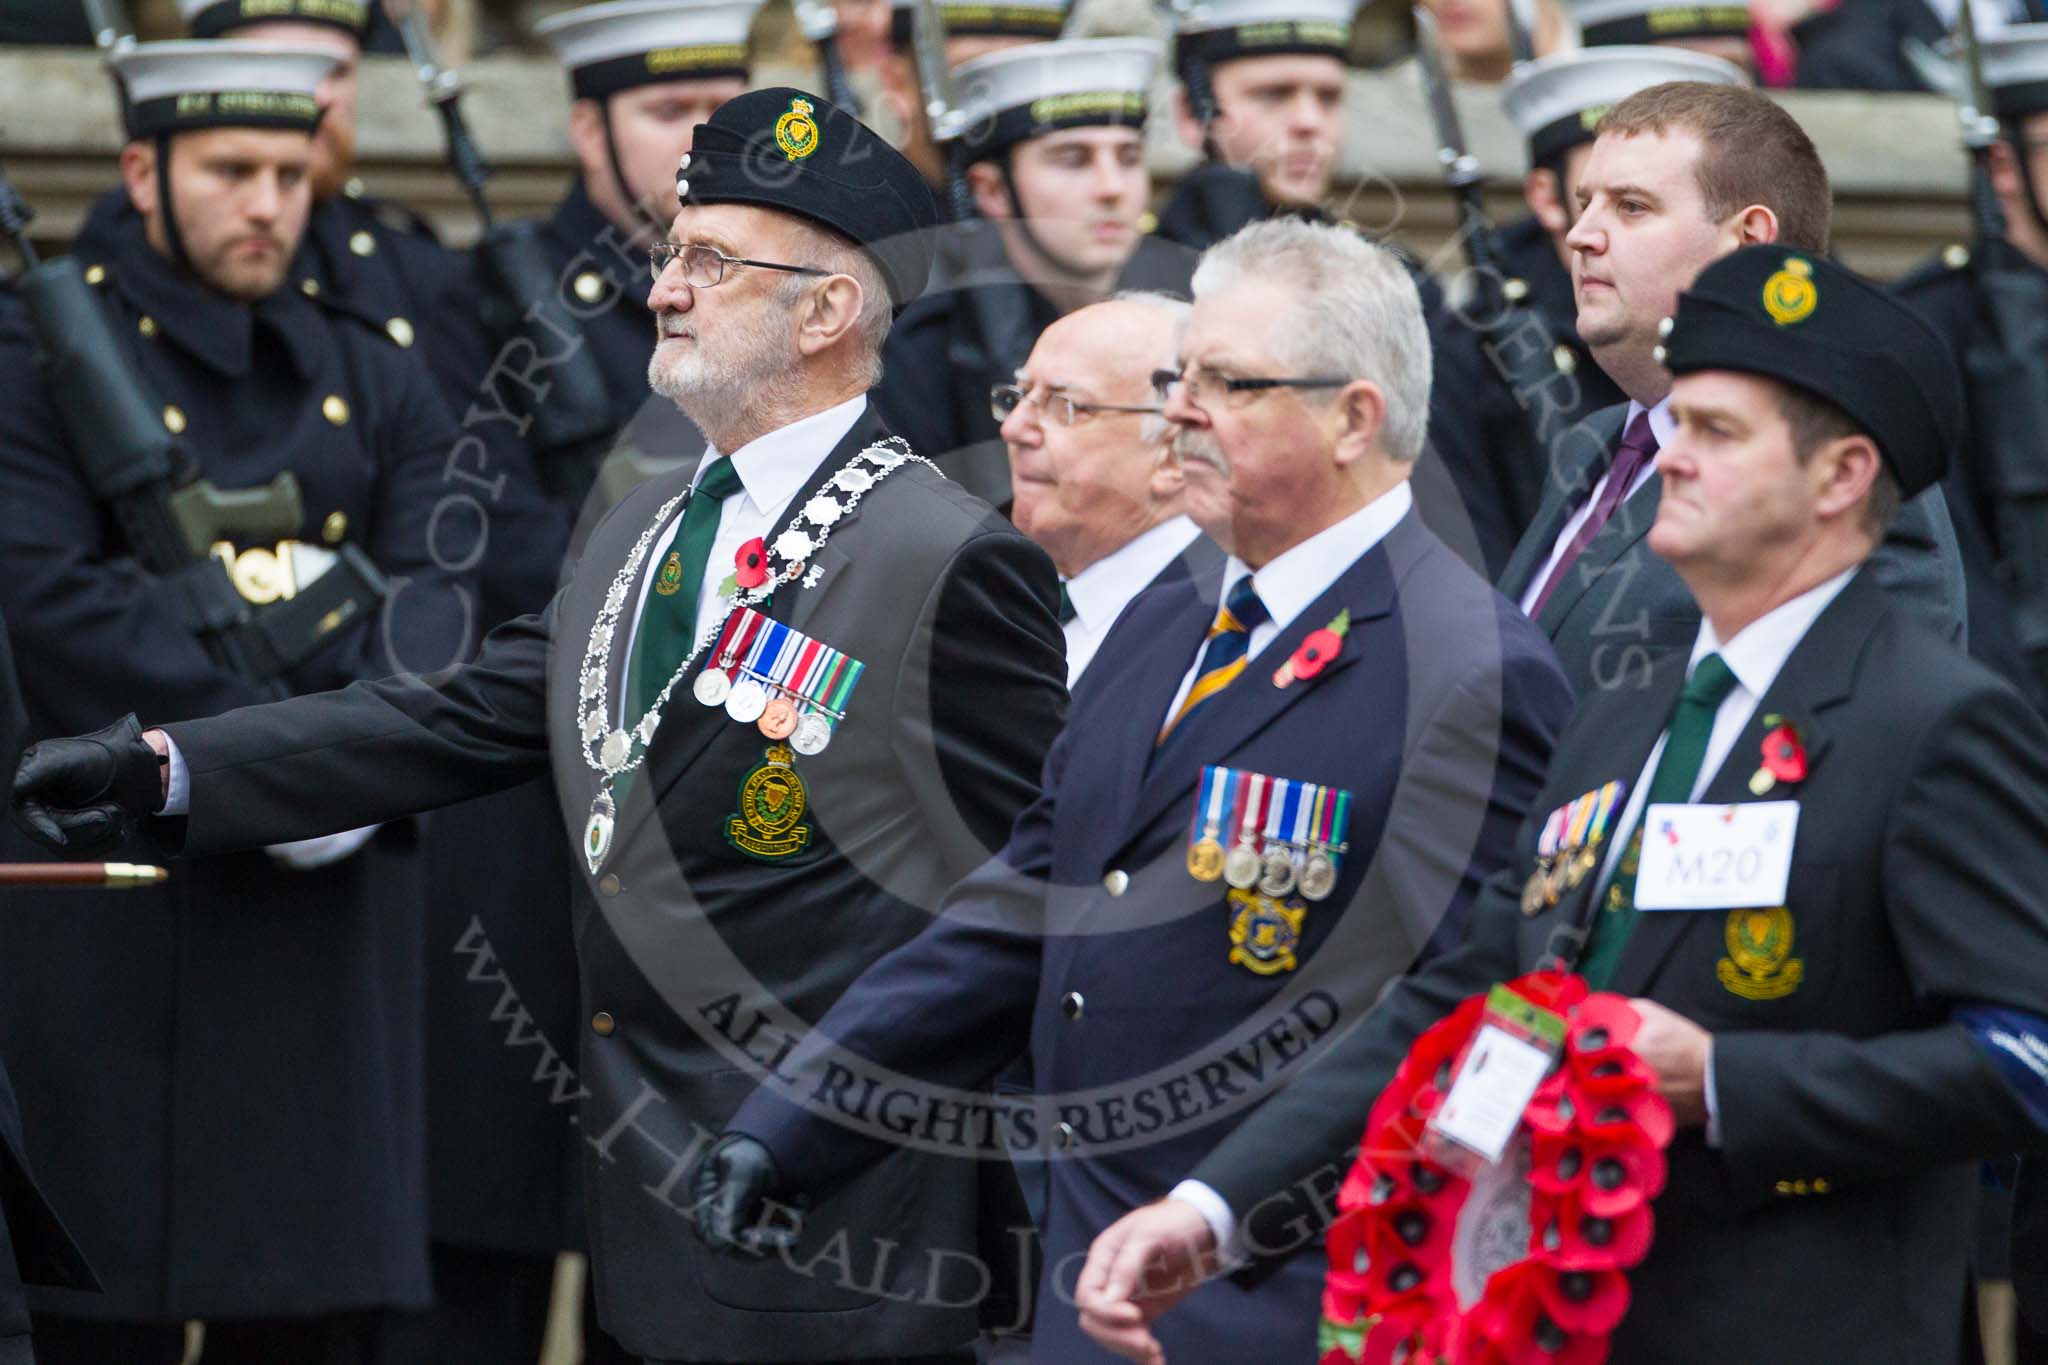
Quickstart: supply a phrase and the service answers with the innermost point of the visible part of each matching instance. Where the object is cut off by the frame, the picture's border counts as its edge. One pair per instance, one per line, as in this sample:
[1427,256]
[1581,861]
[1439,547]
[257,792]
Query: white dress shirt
[1101,591]
[1663,426]
[773,469]
[1756,655]
[1292,580]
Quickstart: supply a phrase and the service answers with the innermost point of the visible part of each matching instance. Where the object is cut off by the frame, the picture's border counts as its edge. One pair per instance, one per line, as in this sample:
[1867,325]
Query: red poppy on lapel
[750,564]
[1316,651]
[1784,756]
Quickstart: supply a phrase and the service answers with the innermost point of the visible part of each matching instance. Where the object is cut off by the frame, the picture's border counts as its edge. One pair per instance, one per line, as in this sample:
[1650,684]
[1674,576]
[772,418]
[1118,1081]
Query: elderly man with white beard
[786,703]
[1343,705]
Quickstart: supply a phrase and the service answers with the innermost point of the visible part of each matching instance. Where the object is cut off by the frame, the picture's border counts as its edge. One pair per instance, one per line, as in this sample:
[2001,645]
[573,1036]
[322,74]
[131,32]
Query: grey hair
[1357,314]
[1155,428]
[828,250]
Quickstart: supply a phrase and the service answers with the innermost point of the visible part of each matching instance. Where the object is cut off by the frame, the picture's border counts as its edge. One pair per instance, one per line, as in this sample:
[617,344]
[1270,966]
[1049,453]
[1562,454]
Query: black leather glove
[88,795]
[730,1192]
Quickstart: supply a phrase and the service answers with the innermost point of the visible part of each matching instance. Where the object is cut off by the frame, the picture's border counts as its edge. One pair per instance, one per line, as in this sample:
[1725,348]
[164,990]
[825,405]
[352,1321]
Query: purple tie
[1638,448]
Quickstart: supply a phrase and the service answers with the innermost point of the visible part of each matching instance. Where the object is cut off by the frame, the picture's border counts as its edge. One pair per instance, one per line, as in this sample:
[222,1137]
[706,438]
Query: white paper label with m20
[1716,857]
[1494,1086]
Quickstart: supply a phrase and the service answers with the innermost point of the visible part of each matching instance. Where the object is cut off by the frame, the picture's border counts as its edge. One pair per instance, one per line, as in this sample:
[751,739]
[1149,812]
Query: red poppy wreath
[1524,1262]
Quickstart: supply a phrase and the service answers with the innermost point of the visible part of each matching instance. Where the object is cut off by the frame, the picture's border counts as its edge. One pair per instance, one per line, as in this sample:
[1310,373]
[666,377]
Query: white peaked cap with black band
[1556,102]
[221,83]
[612,47]
[978,19]
[1213,31]
[2016,69]
[1025,92]
[1607,23]
[215,18]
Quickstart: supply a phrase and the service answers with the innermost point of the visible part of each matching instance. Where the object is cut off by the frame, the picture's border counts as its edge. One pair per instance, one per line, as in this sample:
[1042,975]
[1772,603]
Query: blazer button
[1821,1187]
[1783,1187]
[1065,1135]
[602,1024]
[1116,881]
[1071,1003]
[608,885]
[1799,1187]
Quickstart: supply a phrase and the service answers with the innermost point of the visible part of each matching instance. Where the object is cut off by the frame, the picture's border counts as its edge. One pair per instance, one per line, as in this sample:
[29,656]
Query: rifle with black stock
[1488,299]
[2007,374]
[567,421]
[820,23]
[180,527]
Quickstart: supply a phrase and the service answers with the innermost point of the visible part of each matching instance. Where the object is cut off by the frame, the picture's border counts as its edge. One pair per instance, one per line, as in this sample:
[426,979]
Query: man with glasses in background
[1095,482]
[1345,706]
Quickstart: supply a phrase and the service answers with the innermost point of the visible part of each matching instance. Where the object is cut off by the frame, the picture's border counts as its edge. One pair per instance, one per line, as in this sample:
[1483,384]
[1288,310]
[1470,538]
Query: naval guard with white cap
[1718,30]
[233,1059]
[1051,138]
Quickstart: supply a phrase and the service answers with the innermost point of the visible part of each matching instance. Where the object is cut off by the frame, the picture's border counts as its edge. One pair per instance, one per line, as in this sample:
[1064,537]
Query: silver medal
[1241,867]
[813,733]
[747,700]
[712,687]
[1318,875]
[1277,874]
[597,834]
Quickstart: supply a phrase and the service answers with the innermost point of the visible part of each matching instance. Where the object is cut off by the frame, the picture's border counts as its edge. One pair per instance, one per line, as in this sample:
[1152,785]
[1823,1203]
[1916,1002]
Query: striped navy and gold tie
[1226,650]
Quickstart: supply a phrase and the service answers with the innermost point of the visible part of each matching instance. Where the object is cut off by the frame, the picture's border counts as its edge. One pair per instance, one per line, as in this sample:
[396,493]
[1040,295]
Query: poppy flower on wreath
[750,564]
[1784,756]
[1540,1278]
[1315,652]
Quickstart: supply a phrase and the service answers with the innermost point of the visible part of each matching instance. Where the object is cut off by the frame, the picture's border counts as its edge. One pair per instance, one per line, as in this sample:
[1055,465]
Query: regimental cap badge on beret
[795,132]
[1759,311]
[1790,295]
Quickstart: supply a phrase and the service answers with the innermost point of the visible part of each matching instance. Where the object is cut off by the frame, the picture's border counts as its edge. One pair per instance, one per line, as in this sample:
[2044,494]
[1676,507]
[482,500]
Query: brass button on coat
[310,287]
[1116,881]
[174,419]
[146,325]
[1071,1004]
[399,330]
[362,242]
[334,530]
[95,274]
[608,885]
[335,409]
[602,1024]
[589,286]
[1064,1136]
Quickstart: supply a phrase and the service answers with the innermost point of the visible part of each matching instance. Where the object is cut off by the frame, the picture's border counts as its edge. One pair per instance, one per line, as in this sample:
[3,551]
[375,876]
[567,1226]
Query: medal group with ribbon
[816,697]
[1568,849]
[1285,836]
[782,681]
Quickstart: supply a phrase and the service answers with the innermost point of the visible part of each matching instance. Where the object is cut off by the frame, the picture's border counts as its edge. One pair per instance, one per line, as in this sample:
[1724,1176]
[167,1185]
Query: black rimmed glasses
[1005,399]
[1236,392]
[704,266]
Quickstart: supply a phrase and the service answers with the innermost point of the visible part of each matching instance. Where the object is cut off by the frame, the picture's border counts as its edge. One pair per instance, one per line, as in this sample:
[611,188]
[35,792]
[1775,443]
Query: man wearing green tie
[1841,1022]
[755,827]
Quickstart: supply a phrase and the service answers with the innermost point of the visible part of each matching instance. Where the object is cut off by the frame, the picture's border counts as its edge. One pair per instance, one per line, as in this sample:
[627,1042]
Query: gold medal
[1205,857]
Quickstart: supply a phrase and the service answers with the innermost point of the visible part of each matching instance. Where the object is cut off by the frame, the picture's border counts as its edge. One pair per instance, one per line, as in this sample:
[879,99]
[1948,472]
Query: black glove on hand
[88,795]
[730,1191]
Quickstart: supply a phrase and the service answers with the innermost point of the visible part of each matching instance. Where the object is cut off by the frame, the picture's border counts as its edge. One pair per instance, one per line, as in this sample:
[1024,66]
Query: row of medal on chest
[785,683]
[1286,836]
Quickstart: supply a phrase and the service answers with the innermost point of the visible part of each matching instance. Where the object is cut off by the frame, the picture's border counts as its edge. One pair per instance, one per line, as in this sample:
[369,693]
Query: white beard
[717,389]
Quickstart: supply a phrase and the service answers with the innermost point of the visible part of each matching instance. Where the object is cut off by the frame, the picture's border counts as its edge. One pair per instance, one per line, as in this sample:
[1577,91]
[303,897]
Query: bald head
[1085,490]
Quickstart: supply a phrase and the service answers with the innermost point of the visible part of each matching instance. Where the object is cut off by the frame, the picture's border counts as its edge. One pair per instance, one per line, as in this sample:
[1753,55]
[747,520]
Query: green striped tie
[1685,748]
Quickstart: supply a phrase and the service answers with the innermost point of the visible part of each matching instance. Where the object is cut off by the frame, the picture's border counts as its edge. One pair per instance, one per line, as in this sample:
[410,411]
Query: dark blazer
[693,955]
[151,1033]
[1089,941]
[1621,608]
[1853,1112]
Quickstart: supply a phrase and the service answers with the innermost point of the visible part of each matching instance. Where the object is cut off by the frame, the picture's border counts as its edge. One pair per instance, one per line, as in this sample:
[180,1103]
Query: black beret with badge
[1802,320]
[1556,102]
[212,18]
[1603,23]
[188,85]
[1012,96]
[630,43]
[798,153]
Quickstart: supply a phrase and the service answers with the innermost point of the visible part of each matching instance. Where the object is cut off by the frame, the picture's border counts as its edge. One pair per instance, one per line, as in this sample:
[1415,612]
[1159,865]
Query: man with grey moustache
[1343,704]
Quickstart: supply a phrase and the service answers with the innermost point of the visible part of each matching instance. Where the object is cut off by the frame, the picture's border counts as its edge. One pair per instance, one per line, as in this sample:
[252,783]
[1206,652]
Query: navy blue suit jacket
[1088,941]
